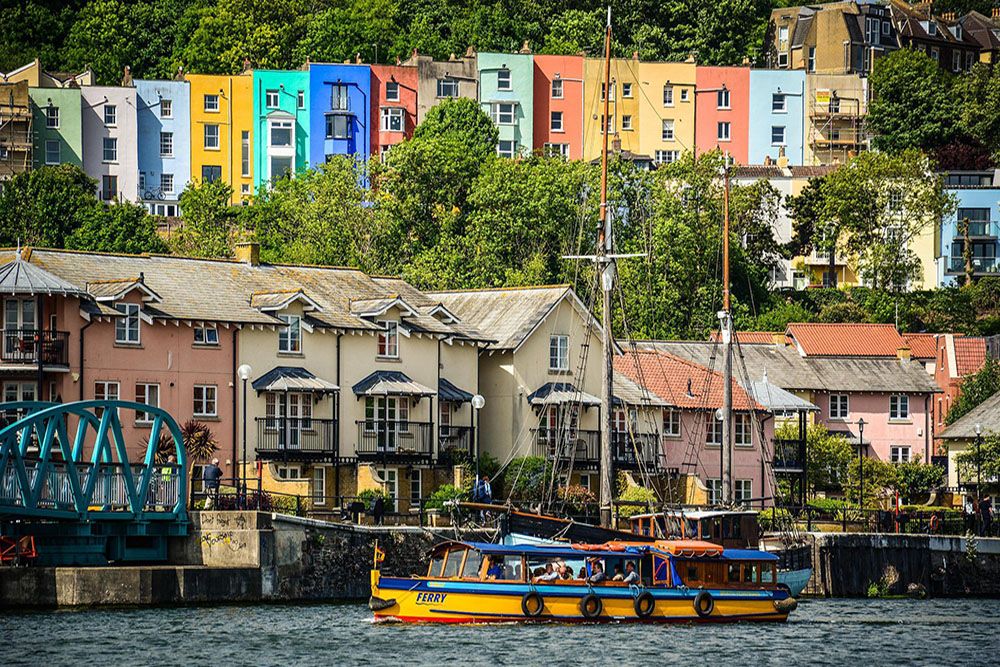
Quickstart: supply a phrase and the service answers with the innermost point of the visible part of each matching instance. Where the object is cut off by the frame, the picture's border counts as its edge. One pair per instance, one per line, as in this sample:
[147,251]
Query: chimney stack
[782,158]
[904,353]
[248,252]
[778,338]
[995,14]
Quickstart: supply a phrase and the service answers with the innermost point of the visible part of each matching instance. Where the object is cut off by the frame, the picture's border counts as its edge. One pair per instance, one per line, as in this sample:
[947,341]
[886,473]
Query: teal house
[281,124]
[506,93]
[58,126]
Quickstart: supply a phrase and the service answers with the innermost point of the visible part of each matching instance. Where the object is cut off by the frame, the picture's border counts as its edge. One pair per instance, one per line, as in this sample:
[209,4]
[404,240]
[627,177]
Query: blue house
[979,203]
[163,122]
[340,118]
[777,115]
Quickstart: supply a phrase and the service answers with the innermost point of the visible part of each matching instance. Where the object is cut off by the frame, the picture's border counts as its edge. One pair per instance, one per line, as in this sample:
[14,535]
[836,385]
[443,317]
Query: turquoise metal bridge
[66,478]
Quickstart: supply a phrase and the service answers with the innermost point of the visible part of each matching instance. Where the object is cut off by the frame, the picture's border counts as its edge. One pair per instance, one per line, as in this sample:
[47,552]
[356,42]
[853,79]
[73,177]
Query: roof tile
[970,355]
[679,382]
[846,340]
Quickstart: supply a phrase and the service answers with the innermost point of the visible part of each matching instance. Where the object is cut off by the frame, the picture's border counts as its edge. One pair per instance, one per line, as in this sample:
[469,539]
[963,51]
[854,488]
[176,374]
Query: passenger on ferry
[597,573]
[548,574]
[564,572]
[495,570]
[618,574]
[631,576]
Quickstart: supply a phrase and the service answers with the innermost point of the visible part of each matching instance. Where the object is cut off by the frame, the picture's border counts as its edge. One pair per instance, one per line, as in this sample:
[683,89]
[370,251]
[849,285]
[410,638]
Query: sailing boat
[666,580]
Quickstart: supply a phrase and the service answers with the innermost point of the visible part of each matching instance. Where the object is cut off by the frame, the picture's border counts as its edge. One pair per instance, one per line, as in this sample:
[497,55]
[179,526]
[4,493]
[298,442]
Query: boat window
[453,564]
[661,570]
[473,563]
[767,575]
[692,572]
[435,567]
[749,573]
[733,575]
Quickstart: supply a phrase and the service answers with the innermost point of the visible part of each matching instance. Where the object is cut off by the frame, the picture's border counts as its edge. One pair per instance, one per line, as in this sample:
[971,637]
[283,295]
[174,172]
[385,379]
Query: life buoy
[644,604]
[704,604]
[934,523]
[532,604]
[591,606]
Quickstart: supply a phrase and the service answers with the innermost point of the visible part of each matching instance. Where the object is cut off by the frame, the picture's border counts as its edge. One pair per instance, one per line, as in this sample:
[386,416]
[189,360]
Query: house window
[52,153]
[556,121]
[667,131]
[110,149]
[899,454]
[665,157]
[166,109]
[778,103]
[416,488]
[722,99]
[319,485]
[447,88]
[886,27]
[300,99]
[626,90]
[838,406]
[211,103]
[604,88]
[559,352]
[507,148]
[340,100]
[110,115]
[783,36]
[388,339]
[148,394]
[684,94]
[556,150]
[392,489]
[105,391]
[392,119]
[288,472]
[245,153]
[743,430]
[782,59]
[777,135]
[668,95]
[714,491]
[271,98]
[611,124]
[932,28]
[811,60]
[211,173]
[167,183]
[290,335]
[52,117]
[205,403]
[713,430]
[281,133]
[935,53]
[127,327]
[109,187]
[899,406]
[166,144]
[211,137]
[503,79]
[671,423]
[743,490]
[392,91]
[206,336]
[723,131]
[627,123]
[872,29]
[503,113]
[956,61]
[338,126]
[557,89]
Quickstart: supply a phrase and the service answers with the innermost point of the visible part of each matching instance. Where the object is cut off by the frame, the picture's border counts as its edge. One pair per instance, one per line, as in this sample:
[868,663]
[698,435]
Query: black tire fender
[532,604]
[591,606]
[704,604]
[644,604]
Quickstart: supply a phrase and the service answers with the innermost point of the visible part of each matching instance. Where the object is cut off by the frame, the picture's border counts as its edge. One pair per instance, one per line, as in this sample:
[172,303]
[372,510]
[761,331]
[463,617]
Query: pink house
[558,106]
[897,425]
[722,114]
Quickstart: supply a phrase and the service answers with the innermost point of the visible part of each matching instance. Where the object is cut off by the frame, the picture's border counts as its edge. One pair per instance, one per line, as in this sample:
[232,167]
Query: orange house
[722,113]
[558,121]
[394,105]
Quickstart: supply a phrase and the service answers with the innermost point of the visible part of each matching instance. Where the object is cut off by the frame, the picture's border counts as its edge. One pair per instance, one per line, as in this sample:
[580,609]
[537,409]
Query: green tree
[44,206]
[526,477]
[122,227]
[779,316]
[461,120]
[979,110]
[881,479]
[211,225]
[975,389]
[914,104]
[983,460]
[368,28]
[574,31]
[828,456]
[915,479]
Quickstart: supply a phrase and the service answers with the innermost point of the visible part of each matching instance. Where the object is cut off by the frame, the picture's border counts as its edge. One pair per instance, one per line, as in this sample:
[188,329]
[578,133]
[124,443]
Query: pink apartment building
[558,106]
[722,111]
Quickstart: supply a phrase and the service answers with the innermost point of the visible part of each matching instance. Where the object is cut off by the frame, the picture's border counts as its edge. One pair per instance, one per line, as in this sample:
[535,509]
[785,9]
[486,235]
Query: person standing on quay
[210,477]
[986,512]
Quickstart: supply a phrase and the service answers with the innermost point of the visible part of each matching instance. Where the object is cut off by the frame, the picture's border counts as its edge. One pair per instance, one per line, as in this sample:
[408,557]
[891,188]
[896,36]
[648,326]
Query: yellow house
[667,102]
[625,103]
[222,130]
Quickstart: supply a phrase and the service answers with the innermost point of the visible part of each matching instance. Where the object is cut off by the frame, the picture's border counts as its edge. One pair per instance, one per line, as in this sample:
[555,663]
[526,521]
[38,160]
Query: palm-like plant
[199,443]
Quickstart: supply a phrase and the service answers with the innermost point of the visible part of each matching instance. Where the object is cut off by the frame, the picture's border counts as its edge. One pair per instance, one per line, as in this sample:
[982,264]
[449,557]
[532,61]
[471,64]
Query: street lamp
[979,462]
[477,404]
[244,372]
[861,463]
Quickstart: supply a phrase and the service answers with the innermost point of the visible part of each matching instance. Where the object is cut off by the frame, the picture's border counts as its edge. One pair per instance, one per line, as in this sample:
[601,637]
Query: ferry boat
[674,581]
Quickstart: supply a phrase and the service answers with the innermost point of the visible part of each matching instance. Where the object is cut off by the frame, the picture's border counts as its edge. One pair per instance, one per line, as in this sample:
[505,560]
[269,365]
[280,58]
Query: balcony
[29,346]
[396,441]
[455,444]
[635,450]
[982,229]
[979,265]
[296,438]
[582,447]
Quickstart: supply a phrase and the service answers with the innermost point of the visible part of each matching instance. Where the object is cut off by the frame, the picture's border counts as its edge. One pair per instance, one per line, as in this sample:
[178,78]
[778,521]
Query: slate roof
[804,171]
[981,29]
[624,390]
[292,378]
[970,354]
[789,370]
[756,171]
[986,414]
[20,277]
[552,393]
[447,391]
[751,337]
[680,382]
[845,340]
[390,383]
[776,399]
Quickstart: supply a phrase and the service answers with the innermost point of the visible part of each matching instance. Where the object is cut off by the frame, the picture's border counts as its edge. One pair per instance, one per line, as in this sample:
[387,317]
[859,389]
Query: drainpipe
[928,423]
[82,330]
[336,428]
[39,342]
[235,383]
[435,432]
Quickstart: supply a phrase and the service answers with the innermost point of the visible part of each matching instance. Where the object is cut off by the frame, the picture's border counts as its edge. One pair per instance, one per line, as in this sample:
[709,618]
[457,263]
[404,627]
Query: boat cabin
[729,529]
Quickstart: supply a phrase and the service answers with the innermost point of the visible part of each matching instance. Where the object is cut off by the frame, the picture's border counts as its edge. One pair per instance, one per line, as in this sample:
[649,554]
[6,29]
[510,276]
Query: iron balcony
[31,346]
[395,441]
[296,438]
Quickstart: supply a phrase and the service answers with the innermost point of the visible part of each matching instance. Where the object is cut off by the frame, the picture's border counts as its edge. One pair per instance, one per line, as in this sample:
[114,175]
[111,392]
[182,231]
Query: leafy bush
[445,493]
[368,495]
[636,494]
[914,478]
[576,497]
[774,518]
[527,476]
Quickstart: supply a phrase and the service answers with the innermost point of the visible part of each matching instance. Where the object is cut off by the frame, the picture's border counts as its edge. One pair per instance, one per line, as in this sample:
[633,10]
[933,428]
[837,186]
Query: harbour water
[820,632]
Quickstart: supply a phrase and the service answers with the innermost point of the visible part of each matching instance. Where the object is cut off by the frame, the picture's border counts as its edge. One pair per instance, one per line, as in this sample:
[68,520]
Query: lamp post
[244,372]
[861,463]
[477,404]
[979,463]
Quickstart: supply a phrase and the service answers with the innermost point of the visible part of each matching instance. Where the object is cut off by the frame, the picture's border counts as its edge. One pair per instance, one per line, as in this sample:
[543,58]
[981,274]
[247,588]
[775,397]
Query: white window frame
[319,485]
[504,81]
[110,115]
[742,429]
[723,99]
[338,126]
[391,91]
[245,153]
[839,407]
[167,184]
[668,95]
[416,486]
[52,117]
[210,103]
[556,121]
[667,130]
[504,113]
[559,353]
[166,144]
[211,137]
[781,141]
[300,99]
[899,407]
[556,150]
[727,126]
[671,423]
[713,430]
[900,453]
[288,472]
[667,156]
[507,148]
[447,88]
[626,90]
[272,98]
[206,334]
[166,108]
[290,335]
[109,147]
[557,89]
[714,486]
[207,405]
[742,490]
[106,390]
[779,103]
[684,94]
[281,125]
[391,114]
[626,122]
[49,143]
[128,329]
[387,340]
[147,393]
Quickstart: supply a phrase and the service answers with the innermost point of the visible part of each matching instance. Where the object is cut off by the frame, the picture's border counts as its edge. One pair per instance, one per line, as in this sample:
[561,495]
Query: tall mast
[726,328]
[606,268]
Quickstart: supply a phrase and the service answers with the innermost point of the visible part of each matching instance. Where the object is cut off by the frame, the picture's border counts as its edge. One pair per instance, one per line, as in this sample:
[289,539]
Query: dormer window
[388,339]
[127,326]
[290,335]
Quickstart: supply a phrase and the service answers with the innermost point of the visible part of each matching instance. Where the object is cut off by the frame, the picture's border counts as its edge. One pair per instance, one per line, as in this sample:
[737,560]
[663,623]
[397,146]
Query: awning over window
[449,392]
[292,378]
[391,383]
[553,393]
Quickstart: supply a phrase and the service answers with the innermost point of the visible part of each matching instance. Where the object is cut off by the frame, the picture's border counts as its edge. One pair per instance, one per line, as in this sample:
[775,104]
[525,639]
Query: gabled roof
[986,414]
[116,288]
[20,277]
[275,301]
[679,382]
[553,393]
[376,307]
[625,391]
[922,345]
[448,391]
[845,340]
[970,354]
[776,399]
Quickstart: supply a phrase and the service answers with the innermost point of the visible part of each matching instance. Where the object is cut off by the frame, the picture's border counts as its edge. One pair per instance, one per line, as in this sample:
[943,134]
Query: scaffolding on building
[836,127]
[15,130]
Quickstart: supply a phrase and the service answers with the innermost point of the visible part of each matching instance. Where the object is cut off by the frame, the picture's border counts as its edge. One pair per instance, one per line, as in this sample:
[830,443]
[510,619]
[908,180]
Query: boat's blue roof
[747,554]
[568,551]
